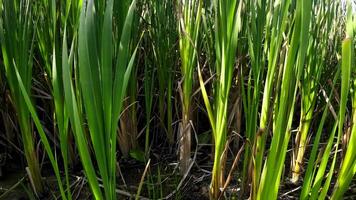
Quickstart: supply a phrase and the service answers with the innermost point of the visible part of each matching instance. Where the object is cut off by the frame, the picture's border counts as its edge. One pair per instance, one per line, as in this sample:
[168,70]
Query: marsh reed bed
[178,99]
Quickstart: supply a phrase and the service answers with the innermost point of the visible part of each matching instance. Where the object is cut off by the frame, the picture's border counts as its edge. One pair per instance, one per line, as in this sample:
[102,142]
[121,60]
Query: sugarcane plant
[189,26]
[227,26]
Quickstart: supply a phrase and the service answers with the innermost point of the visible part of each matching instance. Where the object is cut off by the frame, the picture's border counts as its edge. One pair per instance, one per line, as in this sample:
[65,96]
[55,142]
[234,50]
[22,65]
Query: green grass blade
[41,132]
[77,123]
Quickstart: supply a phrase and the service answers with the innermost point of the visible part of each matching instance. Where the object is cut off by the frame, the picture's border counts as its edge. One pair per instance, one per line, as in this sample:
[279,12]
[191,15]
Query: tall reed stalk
[318,163]
[226,30]
[319,191]
[348,166]
[189,26]
[17,36]
[252,92]
[284,105]
[23,84]
[103,85]
[149,86]
[49,43]
[164,36]
[316,166]
[310,80]
[128,121]
[276,27]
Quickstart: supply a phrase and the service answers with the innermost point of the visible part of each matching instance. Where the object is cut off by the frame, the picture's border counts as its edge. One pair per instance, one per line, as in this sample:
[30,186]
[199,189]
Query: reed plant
[320,187]
[276,28]
[321,31]
[274,76]
[99,77]
[128,133]
[284,105]
[189,27]
[164,36]
[251,93]
[348,166]
[49,44]
[227,26]
[21,78]
[17,40]
[149,86]
[317,163]
[149,75]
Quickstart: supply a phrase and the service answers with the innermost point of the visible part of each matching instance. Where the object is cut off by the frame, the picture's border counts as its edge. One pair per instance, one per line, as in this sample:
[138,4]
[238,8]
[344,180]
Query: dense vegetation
[116,99]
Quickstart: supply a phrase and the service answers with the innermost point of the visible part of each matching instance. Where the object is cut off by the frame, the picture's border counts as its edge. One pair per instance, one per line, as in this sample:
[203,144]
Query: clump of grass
[102,85]
[189,26]
[276,27]
[320,187]
[310,80]
[227,26]
[276,54]
[50,46]
[284,104]
[18,67]
[316,165]
[164,36]
[348,166]
[17,37]
[251,93]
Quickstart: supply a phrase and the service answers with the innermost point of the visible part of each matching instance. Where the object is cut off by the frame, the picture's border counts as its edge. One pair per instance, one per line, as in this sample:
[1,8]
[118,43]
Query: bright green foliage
[348,167]
[315,185]
[310,174]
[292,70]
[345,84]
[99,78]
[164,35]
[318,42]
[189,26]
[251,94]
[21,75]
[227,26]
[42,135]
[265,71]
[16,32]
[50,48]
[277,27]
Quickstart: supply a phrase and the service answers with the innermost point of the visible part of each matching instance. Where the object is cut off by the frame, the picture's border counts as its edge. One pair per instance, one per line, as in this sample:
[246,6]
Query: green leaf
[137,155]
